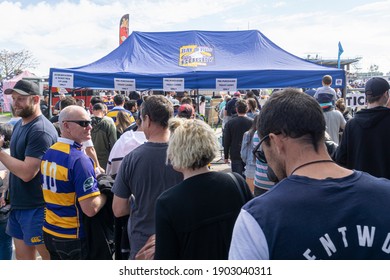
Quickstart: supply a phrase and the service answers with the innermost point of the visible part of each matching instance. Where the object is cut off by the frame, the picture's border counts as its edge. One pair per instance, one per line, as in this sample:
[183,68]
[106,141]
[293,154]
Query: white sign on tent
[124,84]
[63,80]
[173,84]
[226,85]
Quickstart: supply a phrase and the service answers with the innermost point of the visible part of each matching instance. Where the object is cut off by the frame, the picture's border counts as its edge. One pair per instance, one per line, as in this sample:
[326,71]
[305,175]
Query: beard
[279,173]
[277,166]
[26,112]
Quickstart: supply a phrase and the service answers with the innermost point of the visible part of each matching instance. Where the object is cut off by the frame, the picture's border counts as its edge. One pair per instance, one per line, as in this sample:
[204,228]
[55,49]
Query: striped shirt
[261,179]
[114,112]
[67,177]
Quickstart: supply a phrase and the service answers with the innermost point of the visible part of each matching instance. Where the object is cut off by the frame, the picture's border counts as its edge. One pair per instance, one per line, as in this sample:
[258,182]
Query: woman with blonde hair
[340,106]
[123,122]
[195,219]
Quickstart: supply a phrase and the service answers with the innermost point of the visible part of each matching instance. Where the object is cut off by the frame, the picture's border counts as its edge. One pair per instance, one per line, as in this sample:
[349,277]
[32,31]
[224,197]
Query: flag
[341,50]
[123,28]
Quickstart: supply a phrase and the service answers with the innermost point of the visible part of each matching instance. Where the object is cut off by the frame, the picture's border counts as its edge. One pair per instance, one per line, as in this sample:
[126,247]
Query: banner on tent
[123,28]
[124,84]
[173,84]
[63,80]
[194,56]
[339,82]
[226,84]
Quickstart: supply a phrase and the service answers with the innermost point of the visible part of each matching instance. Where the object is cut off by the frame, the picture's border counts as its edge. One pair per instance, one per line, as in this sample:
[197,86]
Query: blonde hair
[252,104]
[192,144]
[340,104]
[123,121]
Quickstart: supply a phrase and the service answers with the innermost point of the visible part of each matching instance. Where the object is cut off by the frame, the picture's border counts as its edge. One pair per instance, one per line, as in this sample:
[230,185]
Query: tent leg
[50,101]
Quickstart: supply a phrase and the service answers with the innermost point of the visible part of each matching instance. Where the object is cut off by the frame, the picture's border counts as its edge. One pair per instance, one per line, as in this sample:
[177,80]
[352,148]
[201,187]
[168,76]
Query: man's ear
[37,99]
[388,100]
[146,121]
[277,141]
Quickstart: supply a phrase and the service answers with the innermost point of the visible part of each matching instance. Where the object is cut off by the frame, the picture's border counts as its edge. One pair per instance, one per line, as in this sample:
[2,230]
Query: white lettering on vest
[307,255]
[366,237]
[328,245]
[343,230]
[386,244]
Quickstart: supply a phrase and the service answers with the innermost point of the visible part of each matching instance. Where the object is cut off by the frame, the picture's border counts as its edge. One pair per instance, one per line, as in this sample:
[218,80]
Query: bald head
[73,130]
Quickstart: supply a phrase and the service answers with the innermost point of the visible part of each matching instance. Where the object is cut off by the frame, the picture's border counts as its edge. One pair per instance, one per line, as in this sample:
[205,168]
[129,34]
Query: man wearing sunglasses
[69,187]
[318,210]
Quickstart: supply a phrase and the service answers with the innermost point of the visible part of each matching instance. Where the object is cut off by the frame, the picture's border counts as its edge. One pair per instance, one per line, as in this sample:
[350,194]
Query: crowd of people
[308,180]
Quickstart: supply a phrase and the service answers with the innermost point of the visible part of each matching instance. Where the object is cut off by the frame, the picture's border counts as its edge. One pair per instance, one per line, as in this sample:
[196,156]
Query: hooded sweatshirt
[104,136]
[365,144]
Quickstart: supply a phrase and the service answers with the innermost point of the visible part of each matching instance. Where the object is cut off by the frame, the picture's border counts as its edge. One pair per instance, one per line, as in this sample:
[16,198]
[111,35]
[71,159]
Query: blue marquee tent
[198,57]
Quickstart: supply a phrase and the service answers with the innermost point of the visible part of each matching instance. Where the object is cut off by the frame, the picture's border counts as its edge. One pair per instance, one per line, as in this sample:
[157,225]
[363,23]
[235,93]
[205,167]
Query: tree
[374,68]
[15,62]
[374,71]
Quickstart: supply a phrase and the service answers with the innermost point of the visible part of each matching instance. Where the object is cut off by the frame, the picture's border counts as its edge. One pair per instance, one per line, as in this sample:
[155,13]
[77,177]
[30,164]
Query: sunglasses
[258,151]
[81,123]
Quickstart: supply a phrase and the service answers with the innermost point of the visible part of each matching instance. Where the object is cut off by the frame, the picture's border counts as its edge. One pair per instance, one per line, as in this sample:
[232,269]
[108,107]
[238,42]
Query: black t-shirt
[232,136]
[195,219]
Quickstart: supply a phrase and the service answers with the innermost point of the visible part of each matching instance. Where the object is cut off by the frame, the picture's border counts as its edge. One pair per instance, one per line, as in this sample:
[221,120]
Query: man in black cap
[32,136]
[365,142]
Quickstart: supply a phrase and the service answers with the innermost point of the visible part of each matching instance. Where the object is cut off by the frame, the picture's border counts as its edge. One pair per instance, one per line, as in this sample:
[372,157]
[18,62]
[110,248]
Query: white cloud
[380,7]
[279,4]
[361,30]
[67,34]
[72,34]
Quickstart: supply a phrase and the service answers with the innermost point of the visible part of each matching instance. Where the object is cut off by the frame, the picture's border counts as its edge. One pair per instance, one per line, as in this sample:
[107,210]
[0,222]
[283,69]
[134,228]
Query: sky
[74,33]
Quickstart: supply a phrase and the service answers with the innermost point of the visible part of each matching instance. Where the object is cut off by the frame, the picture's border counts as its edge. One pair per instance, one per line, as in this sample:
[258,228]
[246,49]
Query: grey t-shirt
[334,122]
[30,140]
[145,175]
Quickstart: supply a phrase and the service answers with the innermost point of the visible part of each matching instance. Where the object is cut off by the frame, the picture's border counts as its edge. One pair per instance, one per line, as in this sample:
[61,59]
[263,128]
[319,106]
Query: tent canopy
[10,84]
[198,57]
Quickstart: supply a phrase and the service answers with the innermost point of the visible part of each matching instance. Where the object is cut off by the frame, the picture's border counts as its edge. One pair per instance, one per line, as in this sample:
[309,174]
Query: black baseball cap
[24,87]
[376,86]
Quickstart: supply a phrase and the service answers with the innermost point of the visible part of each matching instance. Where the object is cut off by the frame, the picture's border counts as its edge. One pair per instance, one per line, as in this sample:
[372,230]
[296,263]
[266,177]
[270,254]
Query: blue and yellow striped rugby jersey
[67,176]
[114,112]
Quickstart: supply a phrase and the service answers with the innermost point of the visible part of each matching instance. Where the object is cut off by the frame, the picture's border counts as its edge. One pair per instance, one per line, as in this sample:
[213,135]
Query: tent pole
[85,97]
[197,100]
[344,92]
[49,105]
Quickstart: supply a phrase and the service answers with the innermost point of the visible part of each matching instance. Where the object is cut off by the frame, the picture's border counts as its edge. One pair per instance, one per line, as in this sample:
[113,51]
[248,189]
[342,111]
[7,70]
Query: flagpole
[341,50]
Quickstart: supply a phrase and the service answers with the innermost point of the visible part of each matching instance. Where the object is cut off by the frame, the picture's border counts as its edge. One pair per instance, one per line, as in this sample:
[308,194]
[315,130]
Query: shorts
[27,225]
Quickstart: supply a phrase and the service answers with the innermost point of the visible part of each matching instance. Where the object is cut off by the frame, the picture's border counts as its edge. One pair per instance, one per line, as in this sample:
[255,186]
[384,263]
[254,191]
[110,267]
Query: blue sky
[73,33]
